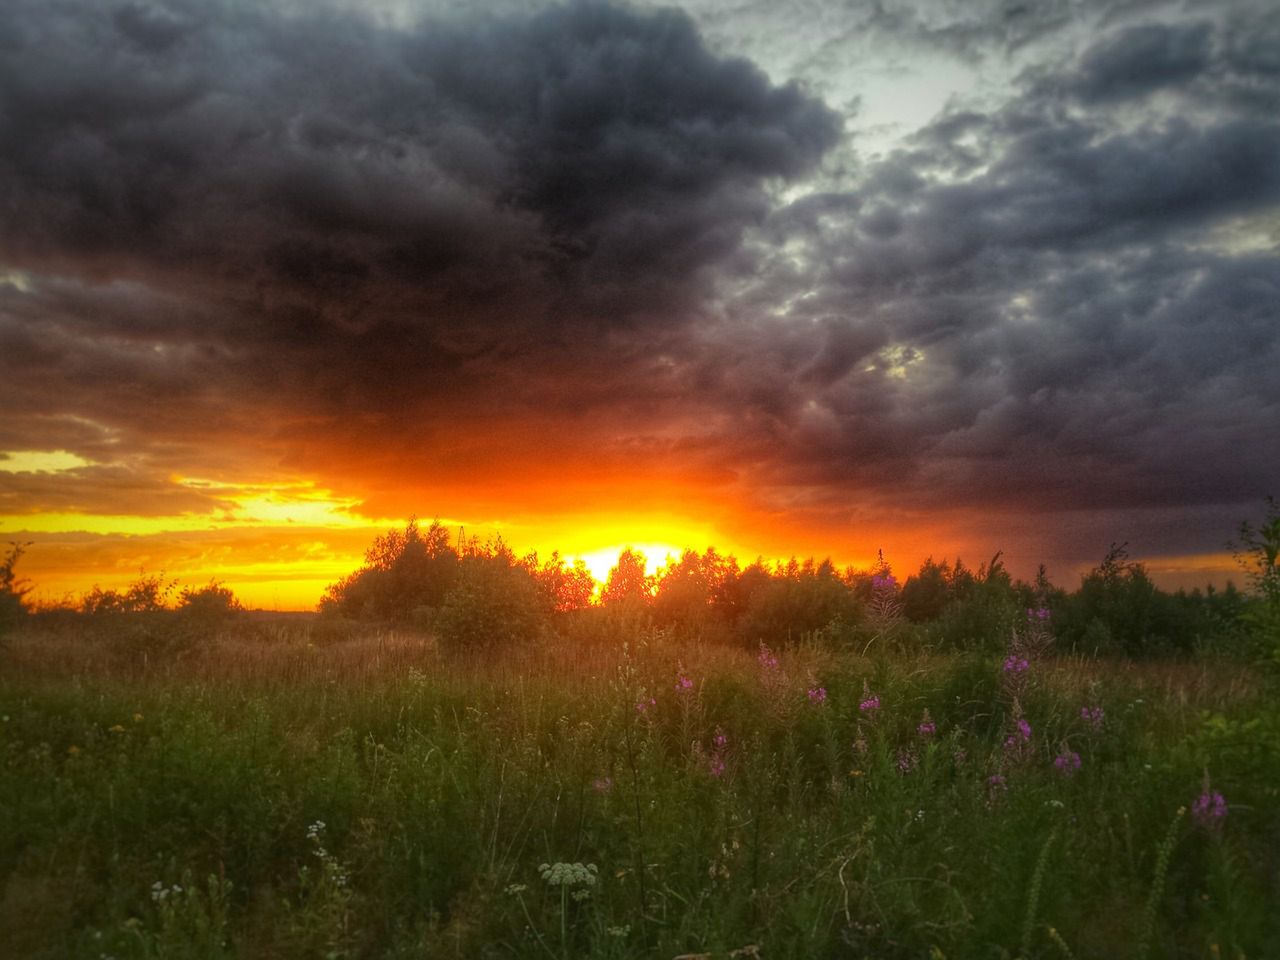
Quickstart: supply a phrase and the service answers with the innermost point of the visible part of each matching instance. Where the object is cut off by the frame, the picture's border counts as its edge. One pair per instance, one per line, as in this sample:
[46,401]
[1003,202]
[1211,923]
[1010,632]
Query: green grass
[444,786]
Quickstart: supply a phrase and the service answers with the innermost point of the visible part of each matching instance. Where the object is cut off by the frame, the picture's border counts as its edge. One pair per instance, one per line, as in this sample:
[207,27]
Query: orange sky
[279,545]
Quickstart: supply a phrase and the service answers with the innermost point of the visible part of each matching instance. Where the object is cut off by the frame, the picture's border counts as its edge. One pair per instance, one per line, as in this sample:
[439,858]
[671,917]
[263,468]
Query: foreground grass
[372,799]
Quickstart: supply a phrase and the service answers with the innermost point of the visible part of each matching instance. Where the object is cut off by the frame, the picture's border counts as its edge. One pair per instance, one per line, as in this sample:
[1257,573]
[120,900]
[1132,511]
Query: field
[289,793]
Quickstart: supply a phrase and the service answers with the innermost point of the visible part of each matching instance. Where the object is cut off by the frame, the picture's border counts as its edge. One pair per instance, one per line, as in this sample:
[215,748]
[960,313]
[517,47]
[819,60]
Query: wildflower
[1209,809]
[1067,762]
[997,781]
[860,742]
[1093,716]
[684,684]
[644,704]
[602,784]
[907,761]
[568,874]
[870,704]
[927,727]
[1015,664]
[1039,613]
[882,582]
[817,694]
[766,658]
[719,746]
[1021,734]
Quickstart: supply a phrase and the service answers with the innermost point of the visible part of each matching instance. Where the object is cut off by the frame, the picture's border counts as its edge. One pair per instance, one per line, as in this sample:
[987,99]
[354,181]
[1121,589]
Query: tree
[403,572]
[628,584]
[1258,553]
[12,589]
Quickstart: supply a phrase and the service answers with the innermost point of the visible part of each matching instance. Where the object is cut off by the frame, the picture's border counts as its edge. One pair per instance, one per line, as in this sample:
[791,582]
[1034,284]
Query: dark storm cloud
[585,152]
[1069,318]
[1143,58]
[346,224]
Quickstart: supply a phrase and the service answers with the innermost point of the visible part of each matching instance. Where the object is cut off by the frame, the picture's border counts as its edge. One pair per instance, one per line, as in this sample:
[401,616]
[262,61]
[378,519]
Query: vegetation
[464,756]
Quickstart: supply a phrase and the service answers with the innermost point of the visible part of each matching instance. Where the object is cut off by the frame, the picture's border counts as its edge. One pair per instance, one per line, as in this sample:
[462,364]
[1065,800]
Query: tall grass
[284,796]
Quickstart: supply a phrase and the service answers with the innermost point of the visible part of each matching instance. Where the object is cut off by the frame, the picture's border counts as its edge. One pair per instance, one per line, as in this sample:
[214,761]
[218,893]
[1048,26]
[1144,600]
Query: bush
[494,602]
[13,588]
[402,573]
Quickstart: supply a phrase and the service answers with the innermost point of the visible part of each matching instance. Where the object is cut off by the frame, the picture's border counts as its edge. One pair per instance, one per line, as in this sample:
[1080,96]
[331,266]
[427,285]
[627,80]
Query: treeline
[472,594]
[150,615]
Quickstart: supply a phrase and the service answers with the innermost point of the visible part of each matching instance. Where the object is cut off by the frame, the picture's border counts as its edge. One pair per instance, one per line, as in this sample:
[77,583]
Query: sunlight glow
[40,461]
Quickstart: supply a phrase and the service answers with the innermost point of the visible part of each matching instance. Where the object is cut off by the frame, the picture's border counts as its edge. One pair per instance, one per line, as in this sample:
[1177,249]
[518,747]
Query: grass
[280,797]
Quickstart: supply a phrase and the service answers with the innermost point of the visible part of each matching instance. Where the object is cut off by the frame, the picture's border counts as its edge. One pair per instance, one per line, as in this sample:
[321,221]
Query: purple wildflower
[768,661]
[817,694]
[870,704]
[1208,809]
[1067,762]
[1015,664]
[1020,736]
[1039,613]
[885,581]
[719,746]
[997,781]
[644,704]
[907,761]
[927,727]
[1093,716]
[684,684]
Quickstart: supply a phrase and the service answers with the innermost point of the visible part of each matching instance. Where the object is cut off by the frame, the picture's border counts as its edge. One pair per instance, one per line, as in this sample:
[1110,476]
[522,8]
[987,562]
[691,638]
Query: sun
[601,561]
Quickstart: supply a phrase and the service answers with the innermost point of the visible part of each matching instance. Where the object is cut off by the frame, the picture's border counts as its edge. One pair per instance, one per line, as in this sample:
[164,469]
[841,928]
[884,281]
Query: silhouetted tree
[404,572]
[12,589]
[627,584]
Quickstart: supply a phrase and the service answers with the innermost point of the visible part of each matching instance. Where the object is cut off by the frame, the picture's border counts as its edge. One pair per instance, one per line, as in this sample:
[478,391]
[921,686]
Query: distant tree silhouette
[12,589]
[404,571]
[564,588]
[627,583]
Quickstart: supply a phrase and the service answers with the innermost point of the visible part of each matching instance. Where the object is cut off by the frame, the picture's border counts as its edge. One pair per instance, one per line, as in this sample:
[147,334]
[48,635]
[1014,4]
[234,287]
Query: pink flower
[684,684]
[870,704]
[927,727]
[1015,664]
[1067,762]
[1209,809]
[817,694]
[644,704]
[766,658]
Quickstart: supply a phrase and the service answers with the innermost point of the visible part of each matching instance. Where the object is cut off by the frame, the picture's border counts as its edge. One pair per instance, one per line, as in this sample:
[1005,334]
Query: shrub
[12,590]
[494,602]
[402,573]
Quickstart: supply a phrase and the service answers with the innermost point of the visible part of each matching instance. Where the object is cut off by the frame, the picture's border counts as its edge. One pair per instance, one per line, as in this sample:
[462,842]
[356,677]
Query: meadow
[283,788]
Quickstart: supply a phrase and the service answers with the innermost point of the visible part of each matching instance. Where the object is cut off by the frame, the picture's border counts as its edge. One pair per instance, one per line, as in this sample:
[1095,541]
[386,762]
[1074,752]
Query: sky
[821,277]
